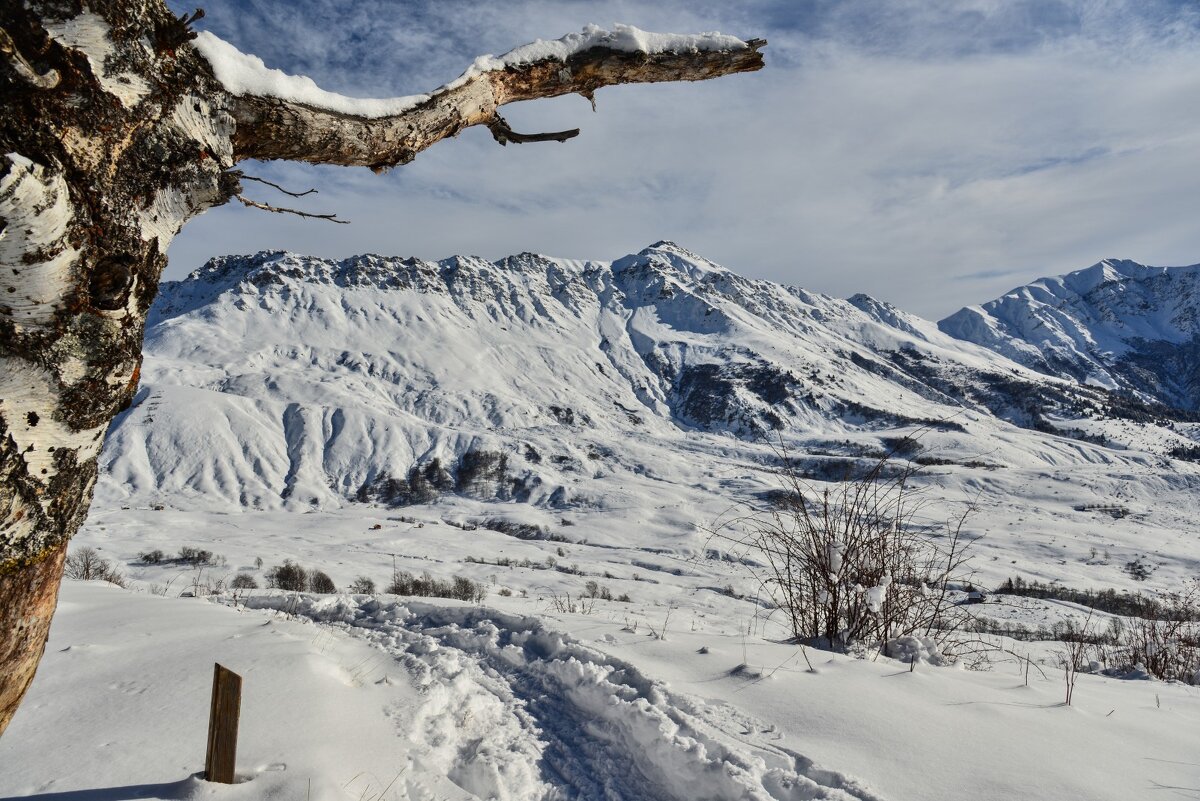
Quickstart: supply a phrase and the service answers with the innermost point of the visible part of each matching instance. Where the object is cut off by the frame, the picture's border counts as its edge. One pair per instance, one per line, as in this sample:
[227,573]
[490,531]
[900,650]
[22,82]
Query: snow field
[381,697]
[120,705]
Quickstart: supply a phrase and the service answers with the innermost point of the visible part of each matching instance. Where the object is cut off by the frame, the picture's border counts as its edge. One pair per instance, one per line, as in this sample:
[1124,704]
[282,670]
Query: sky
[931,153]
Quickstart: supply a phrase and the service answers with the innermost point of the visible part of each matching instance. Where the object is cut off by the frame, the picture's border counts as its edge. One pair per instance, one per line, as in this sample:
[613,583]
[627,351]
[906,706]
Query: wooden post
[223,725]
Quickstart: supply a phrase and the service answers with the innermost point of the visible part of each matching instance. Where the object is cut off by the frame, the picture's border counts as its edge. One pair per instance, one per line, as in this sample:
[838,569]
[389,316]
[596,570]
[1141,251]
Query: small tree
[1072,655]
[155,557]
[190,555]
[87,564]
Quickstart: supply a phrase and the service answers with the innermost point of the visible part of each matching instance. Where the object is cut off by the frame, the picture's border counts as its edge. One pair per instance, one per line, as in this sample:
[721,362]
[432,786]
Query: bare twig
[245,177]
[281,210]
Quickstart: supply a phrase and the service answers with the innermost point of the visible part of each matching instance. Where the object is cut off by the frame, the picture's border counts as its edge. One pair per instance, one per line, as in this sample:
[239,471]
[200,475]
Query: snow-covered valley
[569,435]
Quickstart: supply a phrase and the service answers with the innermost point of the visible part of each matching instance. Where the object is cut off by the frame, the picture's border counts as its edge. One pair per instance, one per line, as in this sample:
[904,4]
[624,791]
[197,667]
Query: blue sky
[927,152]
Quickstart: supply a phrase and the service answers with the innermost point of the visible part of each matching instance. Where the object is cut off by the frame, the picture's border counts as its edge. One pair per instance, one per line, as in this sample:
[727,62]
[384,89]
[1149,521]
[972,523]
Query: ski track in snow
[516,711]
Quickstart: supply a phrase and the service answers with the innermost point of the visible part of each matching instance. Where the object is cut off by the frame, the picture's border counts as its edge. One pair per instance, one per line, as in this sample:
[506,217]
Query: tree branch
[254,204]
[242,176]
[275,128]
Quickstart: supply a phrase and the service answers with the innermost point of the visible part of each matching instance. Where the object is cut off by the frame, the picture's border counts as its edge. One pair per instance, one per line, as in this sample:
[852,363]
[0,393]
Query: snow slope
[1118,324]
[384,698]
[281,380]
[636,400]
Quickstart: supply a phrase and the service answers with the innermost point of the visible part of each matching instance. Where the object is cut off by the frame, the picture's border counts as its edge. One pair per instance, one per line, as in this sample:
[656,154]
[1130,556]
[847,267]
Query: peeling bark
[115,132]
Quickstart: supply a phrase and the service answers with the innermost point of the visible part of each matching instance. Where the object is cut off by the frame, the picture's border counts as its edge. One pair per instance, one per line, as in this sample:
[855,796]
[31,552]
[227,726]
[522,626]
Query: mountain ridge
[285,380]
[1118,324]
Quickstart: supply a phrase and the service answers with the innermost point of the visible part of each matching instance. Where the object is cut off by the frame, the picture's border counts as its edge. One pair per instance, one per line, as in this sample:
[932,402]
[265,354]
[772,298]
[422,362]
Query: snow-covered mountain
[1118,324]
[283,380]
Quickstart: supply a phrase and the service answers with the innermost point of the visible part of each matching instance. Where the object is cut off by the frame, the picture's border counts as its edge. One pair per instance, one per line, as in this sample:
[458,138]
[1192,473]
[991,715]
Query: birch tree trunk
[115,131]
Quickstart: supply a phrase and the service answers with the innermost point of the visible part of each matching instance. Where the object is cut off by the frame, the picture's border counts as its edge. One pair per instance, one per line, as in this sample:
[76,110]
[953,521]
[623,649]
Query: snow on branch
[281,116]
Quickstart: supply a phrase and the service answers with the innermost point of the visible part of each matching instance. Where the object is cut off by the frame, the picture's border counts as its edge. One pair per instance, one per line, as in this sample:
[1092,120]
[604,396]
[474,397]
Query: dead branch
[254,204]
[271,128]
[242,176]
[504,134]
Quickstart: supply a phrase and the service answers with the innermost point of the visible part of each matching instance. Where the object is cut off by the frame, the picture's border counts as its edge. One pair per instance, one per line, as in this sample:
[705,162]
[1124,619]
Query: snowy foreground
[386,698]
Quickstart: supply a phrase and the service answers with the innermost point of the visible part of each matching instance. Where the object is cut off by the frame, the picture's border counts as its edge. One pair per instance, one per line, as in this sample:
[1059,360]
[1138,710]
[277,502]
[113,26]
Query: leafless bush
[86,564]
[362,586]
[593,589]
[661,633]
[320,582]
[155,557]
[1076,642]
[206,584]
[190,555]
[582,604]
[288,576]
[404,583]
[243,581]
[1166,641]
[847,563]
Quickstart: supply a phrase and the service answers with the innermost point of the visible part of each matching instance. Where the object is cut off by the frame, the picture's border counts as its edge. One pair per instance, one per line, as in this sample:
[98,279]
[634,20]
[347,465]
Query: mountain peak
[1118,324]
[669,257]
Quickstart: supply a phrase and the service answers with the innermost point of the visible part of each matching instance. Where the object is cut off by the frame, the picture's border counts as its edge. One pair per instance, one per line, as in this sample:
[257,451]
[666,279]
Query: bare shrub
[464,589]
[320,582]
[203,583]
[1072,653]
[86,564]
[593,589]
[848,563]
[190,555]
[362,586]
[243,581]
[155,557]
[582,604]
[288,576]
[1165,642]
